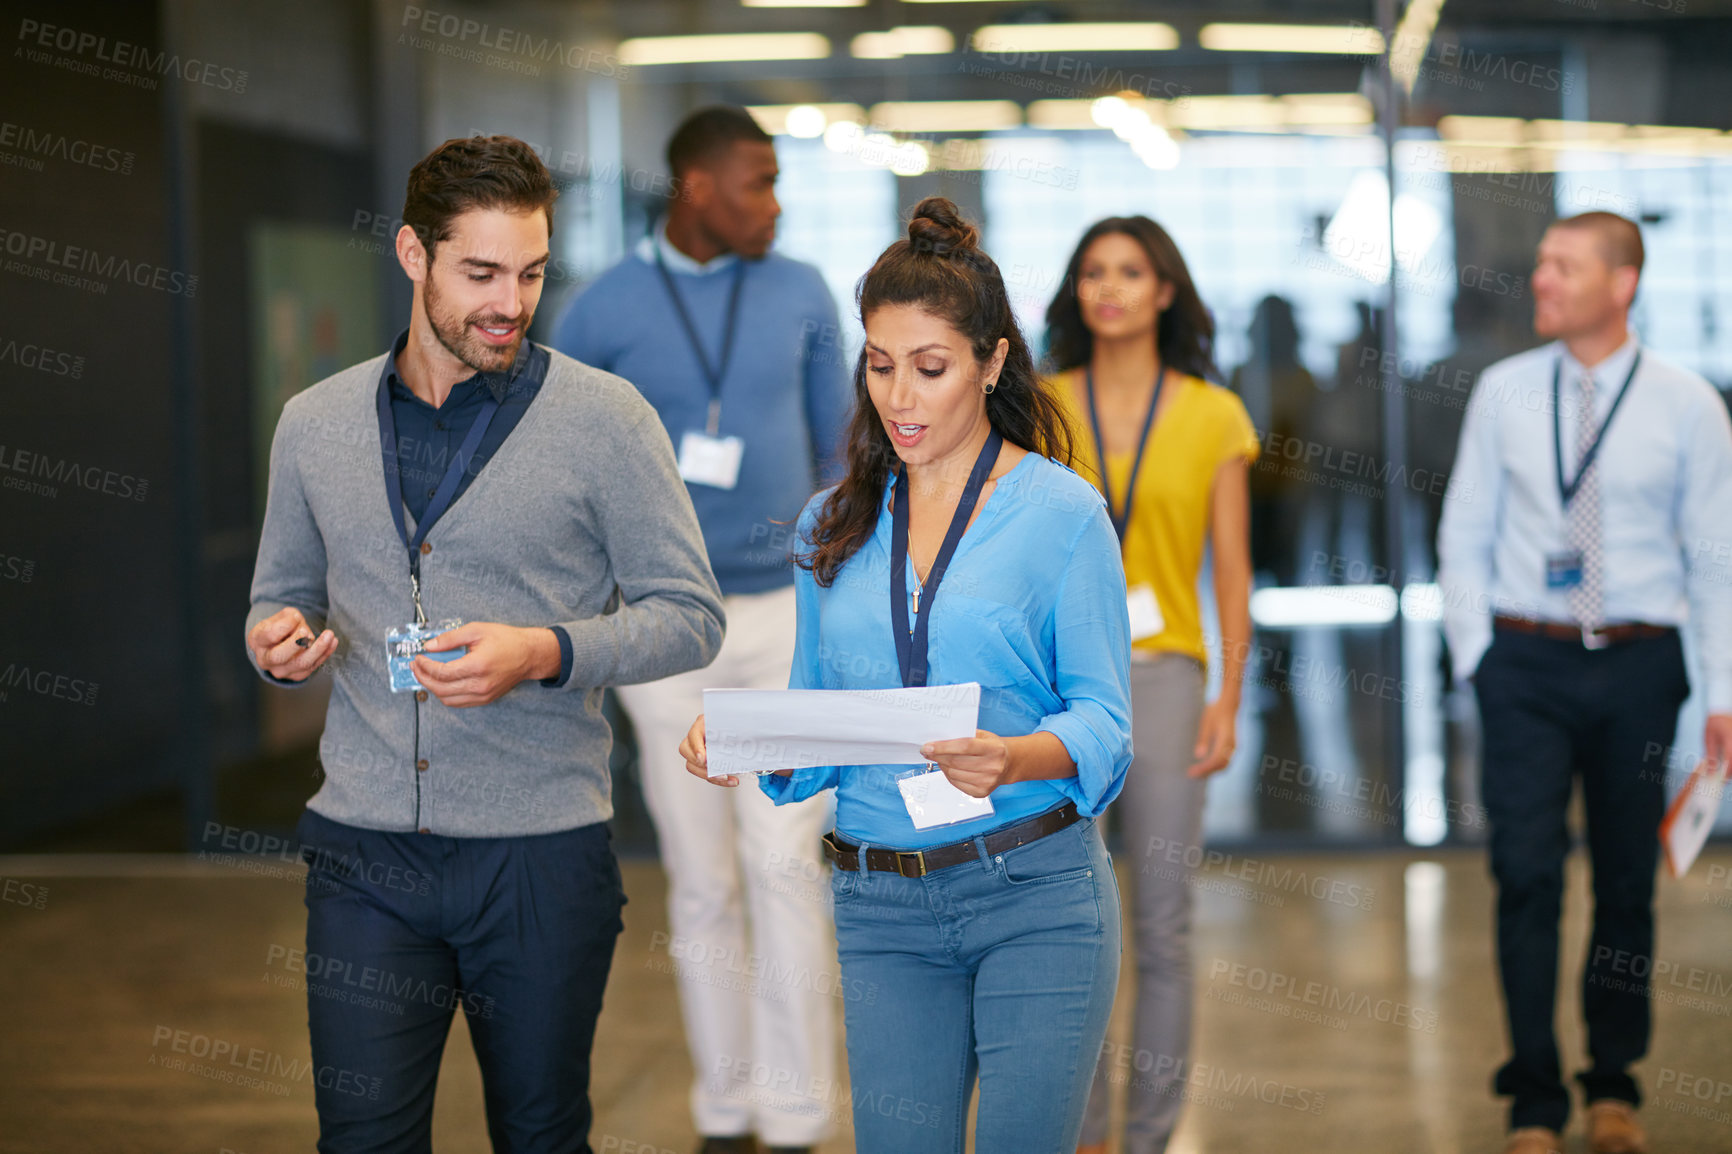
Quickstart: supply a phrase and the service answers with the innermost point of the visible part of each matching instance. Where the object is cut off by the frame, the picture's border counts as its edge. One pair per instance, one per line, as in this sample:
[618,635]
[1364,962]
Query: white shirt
[676,260]
[1665,478]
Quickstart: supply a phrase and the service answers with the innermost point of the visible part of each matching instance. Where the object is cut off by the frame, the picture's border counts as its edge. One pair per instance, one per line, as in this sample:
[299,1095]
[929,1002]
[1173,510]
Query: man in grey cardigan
[457,850]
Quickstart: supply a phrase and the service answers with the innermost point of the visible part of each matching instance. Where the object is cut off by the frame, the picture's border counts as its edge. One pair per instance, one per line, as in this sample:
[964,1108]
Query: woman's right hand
[697,757]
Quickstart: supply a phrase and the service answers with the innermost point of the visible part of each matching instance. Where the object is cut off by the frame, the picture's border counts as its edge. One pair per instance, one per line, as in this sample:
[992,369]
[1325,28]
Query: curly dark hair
[475,172]
[1185,334]
[940,269]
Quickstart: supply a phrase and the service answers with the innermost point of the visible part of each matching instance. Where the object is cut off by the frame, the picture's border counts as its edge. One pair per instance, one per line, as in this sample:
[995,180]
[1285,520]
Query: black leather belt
[845,855]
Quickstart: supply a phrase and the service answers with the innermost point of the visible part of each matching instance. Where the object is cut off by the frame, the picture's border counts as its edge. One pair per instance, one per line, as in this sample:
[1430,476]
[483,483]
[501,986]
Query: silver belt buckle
[1592,640]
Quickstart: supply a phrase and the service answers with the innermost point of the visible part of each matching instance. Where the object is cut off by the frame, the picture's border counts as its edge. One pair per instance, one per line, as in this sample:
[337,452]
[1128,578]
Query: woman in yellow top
[1133,346]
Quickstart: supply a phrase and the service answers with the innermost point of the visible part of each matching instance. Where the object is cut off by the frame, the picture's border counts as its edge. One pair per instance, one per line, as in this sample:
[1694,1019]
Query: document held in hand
[763,730]
[1690,818]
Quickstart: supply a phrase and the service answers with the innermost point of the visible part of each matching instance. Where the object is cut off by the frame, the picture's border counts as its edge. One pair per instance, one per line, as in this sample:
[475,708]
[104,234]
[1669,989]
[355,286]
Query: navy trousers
[405,929]
[1552,710]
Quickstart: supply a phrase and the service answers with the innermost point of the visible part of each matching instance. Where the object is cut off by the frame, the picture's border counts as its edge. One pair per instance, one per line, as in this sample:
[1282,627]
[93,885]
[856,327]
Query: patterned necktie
[1582,521]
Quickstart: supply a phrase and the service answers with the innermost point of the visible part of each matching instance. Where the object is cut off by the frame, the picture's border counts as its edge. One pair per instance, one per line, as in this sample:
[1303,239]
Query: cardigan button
[426,547]
[421,766]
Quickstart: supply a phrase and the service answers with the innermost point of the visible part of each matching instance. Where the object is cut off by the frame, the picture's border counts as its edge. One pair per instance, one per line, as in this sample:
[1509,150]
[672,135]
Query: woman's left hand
[1215,738]
[976,765]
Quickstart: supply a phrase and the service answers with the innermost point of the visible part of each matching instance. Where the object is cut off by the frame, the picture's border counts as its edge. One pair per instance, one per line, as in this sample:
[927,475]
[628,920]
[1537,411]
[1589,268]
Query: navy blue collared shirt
[427,437]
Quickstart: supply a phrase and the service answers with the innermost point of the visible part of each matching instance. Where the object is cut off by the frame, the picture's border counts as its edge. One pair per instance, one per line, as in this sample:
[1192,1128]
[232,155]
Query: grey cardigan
[579,520]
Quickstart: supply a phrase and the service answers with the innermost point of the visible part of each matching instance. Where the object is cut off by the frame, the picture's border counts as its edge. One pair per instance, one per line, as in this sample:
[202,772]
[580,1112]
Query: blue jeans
[1003,968]
[404,929]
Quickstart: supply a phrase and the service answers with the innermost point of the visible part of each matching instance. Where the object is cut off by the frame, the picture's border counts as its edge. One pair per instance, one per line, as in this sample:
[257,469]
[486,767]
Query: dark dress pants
[404,929]
[1551,710]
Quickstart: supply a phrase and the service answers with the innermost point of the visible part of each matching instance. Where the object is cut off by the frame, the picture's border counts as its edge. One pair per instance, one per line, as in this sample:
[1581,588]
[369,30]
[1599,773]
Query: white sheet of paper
[713,461]
[932,800]
[763,730]
[1145,612]
[1690,819]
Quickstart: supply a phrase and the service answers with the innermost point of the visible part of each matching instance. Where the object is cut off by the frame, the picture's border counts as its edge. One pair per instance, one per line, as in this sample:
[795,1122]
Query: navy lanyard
[713,375]
[1121,518]
[1568,491]
[911,643]
[442,496]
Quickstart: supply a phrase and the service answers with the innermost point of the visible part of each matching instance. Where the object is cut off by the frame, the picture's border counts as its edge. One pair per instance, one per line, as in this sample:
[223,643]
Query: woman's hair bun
[938,228]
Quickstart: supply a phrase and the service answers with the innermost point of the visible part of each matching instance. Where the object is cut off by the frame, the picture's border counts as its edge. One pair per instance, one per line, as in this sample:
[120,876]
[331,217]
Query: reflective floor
[1343,1002]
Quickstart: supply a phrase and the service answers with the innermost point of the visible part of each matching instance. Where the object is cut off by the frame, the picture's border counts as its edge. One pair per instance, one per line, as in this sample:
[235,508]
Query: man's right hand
[273,644]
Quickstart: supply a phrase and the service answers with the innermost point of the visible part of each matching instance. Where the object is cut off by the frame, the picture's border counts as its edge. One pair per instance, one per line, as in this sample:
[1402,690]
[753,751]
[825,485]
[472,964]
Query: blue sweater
[787,391]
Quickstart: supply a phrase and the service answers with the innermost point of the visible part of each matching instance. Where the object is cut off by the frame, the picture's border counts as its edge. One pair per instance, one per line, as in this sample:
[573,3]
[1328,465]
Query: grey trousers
[1160,814]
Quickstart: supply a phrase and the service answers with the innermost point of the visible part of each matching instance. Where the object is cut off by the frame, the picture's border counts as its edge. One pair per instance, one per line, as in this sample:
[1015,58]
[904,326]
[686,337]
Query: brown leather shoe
[1613,1129]
[1534,1140]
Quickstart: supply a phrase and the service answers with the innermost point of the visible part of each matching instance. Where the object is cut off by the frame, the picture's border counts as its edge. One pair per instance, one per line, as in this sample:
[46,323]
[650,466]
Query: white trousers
[751,937]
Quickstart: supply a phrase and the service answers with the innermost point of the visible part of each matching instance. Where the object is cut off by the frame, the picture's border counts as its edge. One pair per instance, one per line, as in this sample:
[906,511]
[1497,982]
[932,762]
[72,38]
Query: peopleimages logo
[39,40]
[511,49]
[58,469]
[41,358]
[55,256]
[31,143]
[47,683]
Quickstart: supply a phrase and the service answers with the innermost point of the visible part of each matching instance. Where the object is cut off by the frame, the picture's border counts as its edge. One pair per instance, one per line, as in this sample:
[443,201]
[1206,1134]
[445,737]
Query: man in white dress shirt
[1590,520]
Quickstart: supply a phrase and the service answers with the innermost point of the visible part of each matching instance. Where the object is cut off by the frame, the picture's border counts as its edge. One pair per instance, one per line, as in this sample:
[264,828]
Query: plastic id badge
[1564,570]
[713,461]
[1145,612]
[407,642]
[931,799]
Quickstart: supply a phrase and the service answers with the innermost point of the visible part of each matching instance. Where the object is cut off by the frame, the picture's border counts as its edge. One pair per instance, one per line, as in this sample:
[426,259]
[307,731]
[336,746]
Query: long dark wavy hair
[940,269]
[1185,334]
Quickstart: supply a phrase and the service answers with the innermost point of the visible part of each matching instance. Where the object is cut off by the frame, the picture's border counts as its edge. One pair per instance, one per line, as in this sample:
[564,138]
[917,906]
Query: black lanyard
[712,375]
[442,496]
[1121,518]
[911,644]
[1568,491]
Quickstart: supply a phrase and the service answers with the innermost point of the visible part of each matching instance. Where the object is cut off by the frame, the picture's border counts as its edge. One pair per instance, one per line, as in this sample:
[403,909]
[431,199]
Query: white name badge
[931,800]
[1145,612]
[713,461]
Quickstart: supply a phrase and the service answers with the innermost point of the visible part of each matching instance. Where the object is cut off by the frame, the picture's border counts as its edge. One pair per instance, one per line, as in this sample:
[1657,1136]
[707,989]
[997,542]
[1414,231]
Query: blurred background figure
[1278,392]
[1170,452]
[727,340]
[1567,576]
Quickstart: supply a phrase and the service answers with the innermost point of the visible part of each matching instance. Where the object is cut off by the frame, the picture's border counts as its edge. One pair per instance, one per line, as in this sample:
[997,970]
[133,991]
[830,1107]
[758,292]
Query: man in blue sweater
[457,851]
[735,347]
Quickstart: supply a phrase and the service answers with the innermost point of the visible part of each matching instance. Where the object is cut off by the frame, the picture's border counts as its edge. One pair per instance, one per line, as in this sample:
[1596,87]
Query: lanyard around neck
[447,490]
[713,374]
[1121,518]
[911,645]
[1566,491]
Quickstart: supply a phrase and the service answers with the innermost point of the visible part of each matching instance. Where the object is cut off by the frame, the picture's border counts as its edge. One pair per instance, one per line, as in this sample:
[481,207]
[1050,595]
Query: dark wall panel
[88,661]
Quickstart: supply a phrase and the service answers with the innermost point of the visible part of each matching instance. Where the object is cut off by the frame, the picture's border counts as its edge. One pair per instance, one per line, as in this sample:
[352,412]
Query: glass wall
[1288,238]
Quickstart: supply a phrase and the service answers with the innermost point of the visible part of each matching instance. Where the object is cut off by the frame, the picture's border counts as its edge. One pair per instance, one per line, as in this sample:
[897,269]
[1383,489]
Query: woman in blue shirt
[958,550]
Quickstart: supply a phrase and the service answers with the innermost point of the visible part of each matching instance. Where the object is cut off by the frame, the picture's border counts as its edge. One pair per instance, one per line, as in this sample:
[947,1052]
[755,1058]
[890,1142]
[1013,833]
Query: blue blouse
[1032,607]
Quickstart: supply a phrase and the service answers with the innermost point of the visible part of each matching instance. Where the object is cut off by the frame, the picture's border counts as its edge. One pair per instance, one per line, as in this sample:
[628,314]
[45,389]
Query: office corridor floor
[1343,1003]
